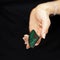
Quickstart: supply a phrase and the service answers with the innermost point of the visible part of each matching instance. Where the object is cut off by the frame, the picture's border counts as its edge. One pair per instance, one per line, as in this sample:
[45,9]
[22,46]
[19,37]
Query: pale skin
[39,20]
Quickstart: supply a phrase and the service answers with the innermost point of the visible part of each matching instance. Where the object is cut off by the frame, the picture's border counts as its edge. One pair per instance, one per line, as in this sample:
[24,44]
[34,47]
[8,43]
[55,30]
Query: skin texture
[40,21]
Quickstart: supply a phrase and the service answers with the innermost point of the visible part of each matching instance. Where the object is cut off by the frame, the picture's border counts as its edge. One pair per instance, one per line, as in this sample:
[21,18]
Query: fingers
[27,46]
[26,38]
[36,25]
[45,26]
[38,42]
[42,14]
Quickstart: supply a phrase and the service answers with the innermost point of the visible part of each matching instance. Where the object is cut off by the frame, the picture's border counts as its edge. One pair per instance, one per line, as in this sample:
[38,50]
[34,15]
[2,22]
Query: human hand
[40,22]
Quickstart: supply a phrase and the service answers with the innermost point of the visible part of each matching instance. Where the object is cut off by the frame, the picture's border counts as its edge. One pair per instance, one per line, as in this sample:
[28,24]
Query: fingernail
[27,47]
[36,44]
[25,42]
[44,36]
[23,38]
[25,34]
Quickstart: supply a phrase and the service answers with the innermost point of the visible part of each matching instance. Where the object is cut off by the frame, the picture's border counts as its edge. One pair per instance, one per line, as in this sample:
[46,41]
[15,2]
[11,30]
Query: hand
[40,22]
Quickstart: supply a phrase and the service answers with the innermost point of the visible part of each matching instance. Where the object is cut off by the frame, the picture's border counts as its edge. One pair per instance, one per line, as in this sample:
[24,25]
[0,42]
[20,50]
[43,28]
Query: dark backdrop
[14,18]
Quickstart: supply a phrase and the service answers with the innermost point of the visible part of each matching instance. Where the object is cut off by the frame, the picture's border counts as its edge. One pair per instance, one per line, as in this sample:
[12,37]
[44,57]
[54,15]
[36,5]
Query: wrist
[45,7]
[50,7]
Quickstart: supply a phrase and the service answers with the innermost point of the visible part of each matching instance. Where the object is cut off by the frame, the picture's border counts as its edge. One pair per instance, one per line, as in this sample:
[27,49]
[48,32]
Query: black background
[14,18]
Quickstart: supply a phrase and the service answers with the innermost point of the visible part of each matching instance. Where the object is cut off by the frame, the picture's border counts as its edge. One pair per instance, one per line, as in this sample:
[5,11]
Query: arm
[39,20]
[50,7]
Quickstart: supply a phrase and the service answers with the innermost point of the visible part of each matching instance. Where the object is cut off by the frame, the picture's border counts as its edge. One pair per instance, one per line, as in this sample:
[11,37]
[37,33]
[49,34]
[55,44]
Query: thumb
[45,26]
